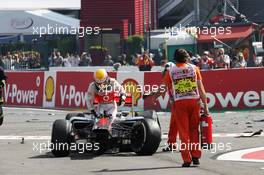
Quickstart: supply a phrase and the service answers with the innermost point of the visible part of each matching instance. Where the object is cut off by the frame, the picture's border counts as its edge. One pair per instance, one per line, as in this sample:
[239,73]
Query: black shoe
[1,120]
[195,161]
[186,164]
[167,149]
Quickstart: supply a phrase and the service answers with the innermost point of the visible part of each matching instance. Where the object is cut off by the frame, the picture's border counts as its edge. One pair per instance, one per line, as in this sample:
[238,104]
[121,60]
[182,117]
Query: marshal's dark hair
[181,56]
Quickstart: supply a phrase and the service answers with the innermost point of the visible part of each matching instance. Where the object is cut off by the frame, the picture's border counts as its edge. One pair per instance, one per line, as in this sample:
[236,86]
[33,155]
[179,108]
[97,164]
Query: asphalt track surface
[21,158]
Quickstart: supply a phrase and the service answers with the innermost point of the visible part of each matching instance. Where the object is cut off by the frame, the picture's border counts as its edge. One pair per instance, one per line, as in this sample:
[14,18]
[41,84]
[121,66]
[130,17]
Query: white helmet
[100,76]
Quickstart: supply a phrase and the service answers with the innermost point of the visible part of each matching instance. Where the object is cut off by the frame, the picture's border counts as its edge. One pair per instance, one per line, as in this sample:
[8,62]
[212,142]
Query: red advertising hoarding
[226,89]
[235,88]
[153,80]
[24,89]
[72,87]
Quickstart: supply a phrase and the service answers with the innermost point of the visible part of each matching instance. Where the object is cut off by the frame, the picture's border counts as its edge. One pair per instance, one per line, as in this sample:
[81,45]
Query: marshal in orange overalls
[183,78]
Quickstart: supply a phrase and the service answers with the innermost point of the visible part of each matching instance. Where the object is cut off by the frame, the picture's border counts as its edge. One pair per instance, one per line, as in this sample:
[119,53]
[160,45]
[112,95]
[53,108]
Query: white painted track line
[164,136]
[10,137]
[237,155]
[35,109]
[223,135]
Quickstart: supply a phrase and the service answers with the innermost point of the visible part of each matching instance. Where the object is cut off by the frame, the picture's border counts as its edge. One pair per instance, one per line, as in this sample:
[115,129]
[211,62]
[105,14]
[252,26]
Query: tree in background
[134,44]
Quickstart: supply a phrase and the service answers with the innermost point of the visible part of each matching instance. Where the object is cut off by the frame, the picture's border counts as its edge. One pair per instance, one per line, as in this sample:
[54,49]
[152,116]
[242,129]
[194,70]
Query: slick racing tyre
[70,115]
[150,114]
[60,138]
[146,137]
[1,120]
[1,115]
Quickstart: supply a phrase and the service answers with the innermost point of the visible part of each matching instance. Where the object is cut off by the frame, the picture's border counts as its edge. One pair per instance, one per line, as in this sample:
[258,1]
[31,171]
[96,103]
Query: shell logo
[49,88]
[131,86]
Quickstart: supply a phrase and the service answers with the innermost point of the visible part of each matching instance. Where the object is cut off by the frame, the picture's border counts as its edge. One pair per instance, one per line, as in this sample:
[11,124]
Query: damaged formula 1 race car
[138,132]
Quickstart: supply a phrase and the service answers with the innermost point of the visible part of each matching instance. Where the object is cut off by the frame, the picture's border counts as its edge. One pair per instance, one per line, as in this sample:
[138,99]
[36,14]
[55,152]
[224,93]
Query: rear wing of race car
[128,100]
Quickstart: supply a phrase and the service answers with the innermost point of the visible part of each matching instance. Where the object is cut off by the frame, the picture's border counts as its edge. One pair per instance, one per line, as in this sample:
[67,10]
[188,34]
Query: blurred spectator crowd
[74,60]
[208,60]
[69,60]
[219,59]
[20,60]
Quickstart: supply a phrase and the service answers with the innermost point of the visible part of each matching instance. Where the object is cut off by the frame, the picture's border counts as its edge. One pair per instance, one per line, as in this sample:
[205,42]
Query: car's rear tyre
[70,115]
[1,120]
[151,114]
[146,137]
[1,115]
[60,138]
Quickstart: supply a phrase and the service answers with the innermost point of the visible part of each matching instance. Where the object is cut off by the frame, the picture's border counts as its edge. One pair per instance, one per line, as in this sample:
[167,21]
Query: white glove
[122,101]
